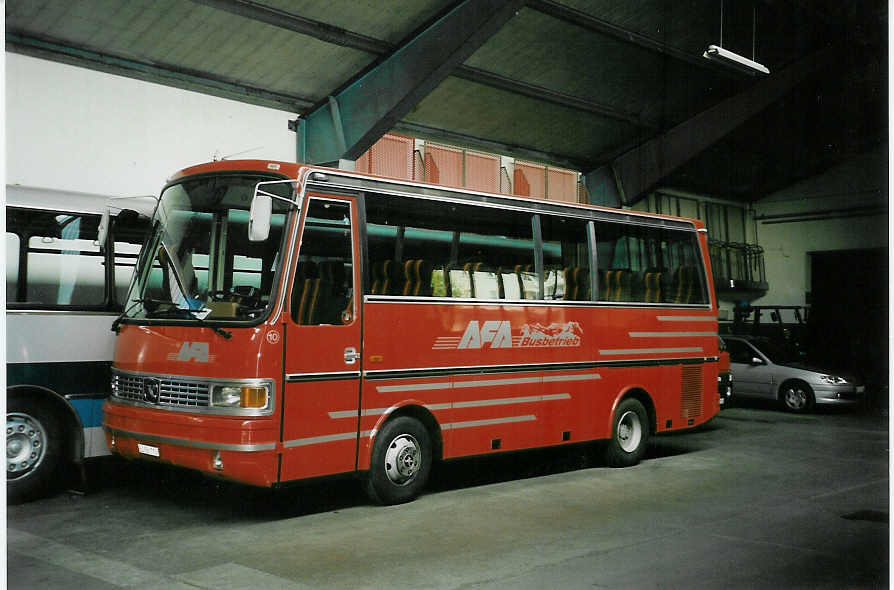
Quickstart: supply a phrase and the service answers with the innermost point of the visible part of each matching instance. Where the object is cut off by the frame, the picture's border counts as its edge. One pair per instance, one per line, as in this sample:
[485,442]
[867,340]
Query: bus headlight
[239,396]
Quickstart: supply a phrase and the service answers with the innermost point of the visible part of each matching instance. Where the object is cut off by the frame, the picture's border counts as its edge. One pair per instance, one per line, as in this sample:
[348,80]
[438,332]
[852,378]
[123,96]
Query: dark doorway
[849,314]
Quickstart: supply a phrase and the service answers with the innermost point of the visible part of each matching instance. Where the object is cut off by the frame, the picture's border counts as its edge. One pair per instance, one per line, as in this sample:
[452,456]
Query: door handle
[351,355]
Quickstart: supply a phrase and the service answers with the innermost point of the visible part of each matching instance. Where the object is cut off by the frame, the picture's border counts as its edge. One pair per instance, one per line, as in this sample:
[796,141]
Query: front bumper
[847,394]
[238,449]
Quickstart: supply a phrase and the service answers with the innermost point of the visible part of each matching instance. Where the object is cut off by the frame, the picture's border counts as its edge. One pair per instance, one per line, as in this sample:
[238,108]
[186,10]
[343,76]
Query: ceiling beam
[603,27]
[178,77]
[299,24]
[338,36]
[547,95]
[642,168]
[354,118]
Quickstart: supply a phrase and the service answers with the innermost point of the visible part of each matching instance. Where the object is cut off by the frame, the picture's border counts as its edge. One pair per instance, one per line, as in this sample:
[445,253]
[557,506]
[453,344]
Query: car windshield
[200,264]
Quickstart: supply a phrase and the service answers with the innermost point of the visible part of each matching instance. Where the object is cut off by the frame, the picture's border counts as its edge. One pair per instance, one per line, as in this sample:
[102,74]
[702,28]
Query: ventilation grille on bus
[691,392]
[171,392]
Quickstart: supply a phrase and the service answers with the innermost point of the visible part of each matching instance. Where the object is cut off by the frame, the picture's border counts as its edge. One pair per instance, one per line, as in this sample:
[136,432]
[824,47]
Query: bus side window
[128,232]
[649,265]
[323,286]
[457,250]
[64,262]
[13,244]
[566,258]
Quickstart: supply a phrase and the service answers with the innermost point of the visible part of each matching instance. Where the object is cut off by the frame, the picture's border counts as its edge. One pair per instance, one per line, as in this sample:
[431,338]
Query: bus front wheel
[33,448]
[630,434]
[400,463]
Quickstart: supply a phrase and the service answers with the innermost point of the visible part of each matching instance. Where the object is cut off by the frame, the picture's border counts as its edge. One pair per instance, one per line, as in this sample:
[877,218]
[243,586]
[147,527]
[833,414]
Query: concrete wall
[856,196]
[75,129]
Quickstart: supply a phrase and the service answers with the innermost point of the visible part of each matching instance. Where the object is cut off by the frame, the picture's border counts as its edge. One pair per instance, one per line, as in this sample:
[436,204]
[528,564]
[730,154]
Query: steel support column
[373,103]
[642,168]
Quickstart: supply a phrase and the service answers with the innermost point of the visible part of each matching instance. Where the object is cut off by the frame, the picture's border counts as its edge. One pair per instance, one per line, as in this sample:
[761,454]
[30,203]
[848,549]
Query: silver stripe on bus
[333,375]
[485,383]
[248,448]
[456,405]
[492,422]
[670,334]
[649,350]
[511,400]
[686,318]
[415,387]
[354,413]
[557,378]
[315,440]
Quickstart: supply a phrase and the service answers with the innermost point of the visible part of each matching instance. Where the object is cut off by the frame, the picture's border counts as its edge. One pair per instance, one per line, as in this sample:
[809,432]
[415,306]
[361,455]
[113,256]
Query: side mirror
[259,217]
[756,361]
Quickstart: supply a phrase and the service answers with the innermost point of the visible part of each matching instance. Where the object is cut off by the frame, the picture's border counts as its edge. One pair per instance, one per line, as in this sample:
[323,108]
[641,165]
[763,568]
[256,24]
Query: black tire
[630,434]
[400,463]
[796,397]
[34,443]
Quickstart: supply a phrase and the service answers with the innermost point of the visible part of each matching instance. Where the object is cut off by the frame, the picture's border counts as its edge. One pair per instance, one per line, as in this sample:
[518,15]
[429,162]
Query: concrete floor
[756,499]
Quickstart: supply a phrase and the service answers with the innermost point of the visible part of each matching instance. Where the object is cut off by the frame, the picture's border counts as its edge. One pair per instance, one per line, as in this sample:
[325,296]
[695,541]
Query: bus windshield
[200,264]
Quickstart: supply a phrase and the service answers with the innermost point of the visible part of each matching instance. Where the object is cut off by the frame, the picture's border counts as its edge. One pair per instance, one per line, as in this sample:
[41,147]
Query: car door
[752,375]
[323,339]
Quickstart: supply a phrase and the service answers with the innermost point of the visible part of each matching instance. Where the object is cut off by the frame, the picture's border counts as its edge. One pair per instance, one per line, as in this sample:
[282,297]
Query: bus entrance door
[323,339]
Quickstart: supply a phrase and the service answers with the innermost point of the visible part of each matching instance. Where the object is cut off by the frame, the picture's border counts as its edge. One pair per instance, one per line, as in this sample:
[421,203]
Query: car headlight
[833,380]
[239,396]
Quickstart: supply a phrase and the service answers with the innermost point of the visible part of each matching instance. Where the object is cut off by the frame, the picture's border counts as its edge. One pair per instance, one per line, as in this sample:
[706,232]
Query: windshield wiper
[116,325]
[192,312]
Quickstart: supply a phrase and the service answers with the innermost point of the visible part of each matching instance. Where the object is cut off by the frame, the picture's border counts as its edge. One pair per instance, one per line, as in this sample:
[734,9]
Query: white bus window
[64,263]
[128,232]
[125,262]
[423,248]
[12,266]
[566,258]
[649,265]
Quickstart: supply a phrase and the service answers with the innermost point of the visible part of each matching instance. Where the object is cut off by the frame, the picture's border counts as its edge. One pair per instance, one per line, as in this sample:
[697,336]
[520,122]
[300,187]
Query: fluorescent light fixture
[743,64]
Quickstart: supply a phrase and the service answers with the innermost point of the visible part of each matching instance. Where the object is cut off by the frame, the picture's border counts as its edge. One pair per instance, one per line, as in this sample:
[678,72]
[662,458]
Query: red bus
[288,322]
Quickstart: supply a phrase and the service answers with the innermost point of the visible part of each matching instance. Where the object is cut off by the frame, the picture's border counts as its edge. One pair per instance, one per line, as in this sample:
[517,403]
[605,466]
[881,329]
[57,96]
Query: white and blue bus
[69,261]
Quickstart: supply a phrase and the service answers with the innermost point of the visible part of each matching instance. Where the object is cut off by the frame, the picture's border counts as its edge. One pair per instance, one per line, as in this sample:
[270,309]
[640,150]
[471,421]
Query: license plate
[147,450]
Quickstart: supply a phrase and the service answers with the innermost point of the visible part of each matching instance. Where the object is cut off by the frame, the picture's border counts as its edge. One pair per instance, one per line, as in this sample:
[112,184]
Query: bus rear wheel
[630,434]
[400,463]
[33,448]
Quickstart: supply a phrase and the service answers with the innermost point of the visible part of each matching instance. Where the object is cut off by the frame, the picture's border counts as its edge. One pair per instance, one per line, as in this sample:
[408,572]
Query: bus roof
[331,177]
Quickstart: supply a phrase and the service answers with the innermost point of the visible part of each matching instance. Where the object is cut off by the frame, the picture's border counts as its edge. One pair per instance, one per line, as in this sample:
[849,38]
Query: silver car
[762,370]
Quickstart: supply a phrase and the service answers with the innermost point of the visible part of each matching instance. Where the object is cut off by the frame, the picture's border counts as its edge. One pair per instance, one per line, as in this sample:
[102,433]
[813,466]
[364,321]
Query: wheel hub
[630,431]
[402,460]
[25,444]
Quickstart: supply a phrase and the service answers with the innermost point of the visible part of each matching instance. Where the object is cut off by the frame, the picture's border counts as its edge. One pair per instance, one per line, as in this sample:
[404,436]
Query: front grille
[171,392]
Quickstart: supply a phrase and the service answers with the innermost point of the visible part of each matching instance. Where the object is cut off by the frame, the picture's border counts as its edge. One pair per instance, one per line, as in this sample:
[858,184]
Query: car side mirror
[756,361]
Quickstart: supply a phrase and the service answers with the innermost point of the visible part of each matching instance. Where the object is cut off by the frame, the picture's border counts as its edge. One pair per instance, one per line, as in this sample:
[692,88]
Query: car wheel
[630,434]
[400,463]
[33,448]
[796,396]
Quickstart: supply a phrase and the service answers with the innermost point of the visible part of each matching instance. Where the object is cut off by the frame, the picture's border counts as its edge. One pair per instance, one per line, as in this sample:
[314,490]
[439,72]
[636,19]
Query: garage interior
[607,102]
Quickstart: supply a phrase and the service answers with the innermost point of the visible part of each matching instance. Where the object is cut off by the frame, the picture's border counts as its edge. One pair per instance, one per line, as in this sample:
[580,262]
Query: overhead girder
[640,169]
[338,36]
[353,119]
[158,73]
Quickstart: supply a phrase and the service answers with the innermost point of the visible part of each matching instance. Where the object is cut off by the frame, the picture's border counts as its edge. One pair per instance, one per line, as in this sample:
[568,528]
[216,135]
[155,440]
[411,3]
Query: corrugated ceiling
[569,82]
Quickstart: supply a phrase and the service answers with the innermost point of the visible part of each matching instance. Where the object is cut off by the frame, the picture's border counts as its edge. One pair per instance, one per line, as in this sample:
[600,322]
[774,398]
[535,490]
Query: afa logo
[192,351]
[499,334]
